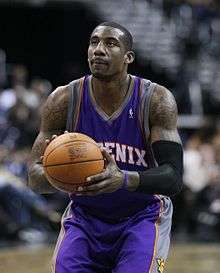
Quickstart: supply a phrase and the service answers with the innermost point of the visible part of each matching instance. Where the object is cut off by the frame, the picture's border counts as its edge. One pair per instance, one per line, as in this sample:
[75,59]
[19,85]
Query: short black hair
[127,37]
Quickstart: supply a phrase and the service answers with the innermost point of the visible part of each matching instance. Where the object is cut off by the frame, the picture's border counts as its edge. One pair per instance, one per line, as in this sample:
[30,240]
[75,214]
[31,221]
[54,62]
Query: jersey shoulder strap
[146,90]
[76,89]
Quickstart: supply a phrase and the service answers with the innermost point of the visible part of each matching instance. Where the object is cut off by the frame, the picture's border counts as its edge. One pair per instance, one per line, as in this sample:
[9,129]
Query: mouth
[98,61]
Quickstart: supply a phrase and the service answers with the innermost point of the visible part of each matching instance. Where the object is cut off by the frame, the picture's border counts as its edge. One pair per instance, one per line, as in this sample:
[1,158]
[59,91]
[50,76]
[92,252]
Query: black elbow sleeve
[168,152]
[165,179]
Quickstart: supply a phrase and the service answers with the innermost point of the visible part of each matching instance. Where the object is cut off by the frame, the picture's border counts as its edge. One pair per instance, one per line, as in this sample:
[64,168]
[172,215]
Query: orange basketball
[69,159]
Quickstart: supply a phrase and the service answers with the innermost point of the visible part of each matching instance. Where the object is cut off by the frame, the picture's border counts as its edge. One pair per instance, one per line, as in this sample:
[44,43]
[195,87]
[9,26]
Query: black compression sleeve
[166,179]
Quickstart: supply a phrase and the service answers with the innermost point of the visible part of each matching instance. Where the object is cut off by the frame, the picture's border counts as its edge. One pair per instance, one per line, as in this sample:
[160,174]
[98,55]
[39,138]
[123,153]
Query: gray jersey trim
[147,89]
[66,215]
[75,89]
[162,242]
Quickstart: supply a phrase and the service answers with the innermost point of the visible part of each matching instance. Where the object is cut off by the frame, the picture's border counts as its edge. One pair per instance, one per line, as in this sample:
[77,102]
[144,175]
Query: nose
[99,49]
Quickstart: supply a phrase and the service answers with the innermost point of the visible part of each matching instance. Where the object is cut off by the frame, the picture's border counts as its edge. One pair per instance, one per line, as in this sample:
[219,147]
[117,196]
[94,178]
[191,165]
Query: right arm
[53,122]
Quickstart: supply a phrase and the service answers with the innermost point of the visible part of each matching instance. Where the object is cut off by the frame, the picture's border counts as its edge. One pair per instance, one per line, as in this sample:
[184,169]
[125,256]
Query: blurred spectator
[200,198]
[206,210]
[23,213]
[19,117]
[38,91]
[198,161]
[16,162]
[20,104]
[19,75]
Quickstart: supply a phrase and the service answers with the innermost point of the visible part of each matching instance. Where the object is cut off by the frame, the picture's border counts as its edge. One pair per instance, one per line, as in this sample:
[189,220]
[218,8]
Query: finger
[98,177]
[94,193]
[98,186]
[107,156]
[53,137]
[80,189]
[47,141]
[87,194]
[41,158]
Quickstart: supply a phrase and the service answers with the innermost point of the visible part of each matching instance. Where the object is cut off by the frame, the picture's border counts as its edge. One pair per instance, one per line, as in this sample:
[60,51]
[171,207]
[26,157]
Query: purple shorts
[140,243]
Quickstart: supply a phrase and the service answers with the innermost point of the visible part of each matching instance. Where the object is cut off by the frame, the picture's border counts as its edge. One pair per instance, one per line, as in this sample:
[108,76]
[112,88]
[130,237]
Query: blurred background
[43,44]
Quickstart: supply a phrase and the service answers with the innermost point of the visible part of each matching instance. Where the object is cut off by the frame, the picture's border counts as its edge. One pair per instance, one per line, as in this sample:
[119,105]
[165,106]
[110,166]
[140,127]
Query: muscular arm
[163,116]
[166,178]
[53,122]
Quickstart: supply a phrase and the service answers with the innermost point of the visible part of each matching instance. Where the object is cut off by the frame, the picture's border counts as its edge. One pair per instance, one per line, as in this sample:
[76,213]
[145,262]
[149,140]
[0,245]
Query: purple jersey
[122,135]
[121,231]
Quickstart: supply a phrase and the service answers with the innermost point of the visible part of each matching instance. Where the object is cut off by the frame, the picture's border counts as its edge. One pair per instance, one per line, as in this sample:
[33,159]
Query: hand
[110,180]
[47,142]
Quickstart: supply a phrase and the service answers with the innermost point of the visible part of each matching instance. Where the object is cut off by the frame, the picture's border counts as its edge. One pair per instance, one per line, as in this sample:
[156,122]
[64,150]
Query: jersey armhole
[146,90]
[75,98]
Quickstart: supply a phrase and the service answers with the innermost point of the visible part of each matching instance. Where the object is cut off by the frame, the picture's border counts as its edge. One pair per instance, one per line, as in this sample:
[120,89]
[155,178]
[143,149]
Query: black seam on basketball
[74,184]
[65,183]
[72,163]
[71,142]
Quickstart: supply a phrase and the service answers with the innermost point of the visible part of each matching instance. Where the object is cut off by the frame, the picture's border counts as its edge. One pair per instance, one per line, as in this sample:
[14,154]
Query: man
[120,223]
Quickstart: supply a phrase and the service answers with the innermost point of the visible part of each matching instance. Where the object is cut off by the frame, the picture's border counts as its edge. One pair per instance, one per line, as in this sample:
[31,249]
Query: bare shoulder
[163,108]
[59,94]
[54,112]
[163,115]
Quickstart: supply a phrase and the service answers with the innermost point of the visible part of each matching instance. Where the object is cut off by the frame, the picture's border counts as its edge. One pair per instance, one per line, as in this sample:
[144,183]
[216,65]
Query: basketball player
[121,223]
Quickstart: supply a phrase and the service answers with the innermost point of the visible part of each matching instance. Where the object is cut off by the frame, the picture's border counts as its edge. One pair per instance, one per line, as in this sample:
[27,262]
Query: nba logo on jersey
[131,113]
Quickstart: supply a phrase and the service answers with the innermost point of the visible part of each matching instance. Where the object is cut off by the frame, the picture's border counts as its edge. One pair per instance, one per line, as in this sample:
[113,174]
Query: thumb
[107,156]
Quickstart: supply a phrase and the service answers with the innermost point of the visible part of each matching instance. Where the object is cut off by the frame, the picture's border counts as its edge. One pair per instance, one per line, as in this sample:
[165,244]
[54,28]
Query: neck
[110,94]
[116,86]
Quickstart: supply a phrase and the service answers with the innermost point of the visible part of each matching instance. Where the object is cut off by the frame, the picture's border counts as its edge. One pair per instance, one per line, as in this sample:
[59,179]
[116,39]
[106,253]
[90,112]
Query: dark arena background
[43,44]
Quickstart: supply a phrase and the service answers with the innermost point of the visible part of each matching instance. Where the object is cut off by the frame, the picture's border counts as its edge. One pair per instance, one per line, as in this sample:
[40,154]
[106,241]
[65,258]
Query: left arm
[164,179]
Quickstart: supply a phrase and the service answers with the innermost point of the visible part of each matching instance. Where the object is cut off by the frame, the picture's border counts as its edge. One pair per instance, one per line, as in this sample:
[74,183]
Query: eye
[94,42]
[111,43]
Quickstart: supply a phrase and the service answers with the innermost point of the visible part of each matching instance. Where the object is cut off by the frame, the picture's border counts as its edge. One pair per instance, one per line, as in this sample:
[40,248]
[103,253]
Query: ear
[129,57]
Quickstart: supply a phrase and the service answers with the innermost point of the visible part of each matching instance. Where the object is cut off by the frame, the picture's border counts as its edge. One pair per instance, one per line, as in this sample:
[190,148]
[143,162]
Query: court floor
[183,259]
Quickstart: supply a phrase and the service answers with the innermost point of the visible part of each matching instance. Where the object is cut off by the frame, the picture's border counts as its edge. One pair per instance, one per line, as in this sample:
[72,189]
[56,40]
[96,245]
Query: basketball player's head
[110,50]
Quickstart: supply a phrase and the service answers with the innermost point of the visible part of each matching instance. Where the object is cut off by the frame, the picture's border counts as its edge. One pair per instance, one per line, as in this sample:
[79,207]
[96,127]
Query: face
[107,55]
